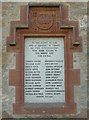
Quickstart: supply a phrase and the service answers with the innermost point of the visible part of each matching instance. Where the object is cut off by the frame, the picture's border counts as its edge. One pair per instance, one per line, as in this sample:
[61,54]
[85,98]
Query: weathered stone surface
[0,60]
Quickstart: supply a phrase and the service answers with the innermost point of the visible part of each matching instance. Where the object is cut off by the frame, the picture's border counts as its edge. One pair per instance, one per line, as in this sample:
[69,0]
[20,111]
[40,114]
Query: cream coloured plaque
[44,77]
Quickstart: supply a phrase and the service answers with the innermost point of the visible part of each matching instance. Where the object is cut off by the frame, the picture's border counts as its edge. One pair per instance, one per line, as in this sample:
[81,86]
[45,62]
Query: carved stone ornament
[44,21]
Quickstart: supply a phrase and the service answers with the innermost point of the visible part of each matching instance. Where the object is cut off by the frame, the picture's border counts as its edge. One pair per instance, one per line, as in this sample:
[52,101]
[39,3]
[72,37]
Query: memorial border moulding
[50,22]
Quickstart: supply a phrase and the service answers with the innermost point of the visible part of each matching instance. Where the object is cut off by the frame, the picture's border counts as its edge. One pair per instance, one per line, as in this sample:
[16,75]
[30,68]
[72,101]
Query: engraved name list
[44,79]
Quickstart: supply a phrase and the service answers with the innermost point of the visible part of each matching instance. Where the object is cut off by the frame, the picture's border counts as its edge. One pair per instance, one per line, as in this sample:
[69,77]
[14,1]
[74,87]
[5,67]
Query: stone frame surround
[72,43]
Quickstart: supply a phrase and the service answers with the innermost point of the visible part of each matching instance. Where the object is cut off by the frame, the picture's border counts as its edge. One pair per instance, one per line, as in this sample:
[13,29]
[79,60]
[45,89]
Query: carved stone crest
[44,21]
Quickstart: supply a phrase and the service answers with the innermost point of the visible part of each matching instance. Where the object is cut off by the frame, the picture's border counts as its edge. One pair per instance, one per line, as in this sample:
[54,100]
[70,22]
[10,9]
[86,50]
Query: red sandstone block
[14,77]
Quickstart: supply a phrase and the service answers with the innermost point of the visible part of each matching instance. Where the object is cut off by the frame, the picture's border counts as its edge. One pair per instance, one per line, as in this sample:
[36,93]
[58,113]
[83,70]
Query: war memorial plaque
[44,41]
[44,80]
